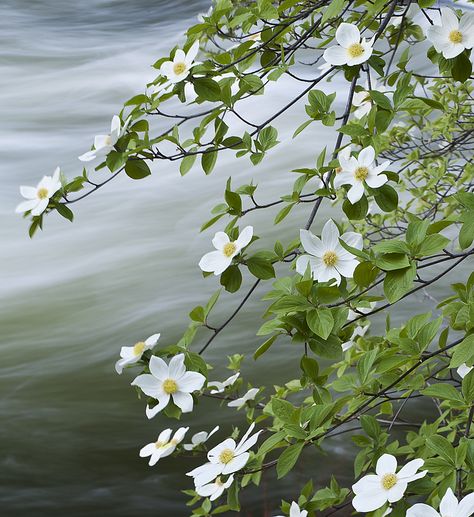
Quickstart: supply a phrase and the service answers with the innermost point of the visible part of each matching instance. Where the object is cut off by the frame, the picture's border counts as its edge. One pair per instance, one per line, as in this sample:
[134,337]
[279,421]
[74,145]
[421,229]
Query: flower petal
[448,504]
[356,192]
[215,262]
[176,368]
[449,20]
[386,464]
[330,235]
[24,206]
[422,510]
[303,261]
[40,207]
[236,463]
[192,52]
[311,243]
[158,368]
[366,156]
[220,240]
[397,491]
[244,238]
[466,506]
[152,340]
[336,55]
[148,384]
[163,400]
[347,34]
[410,468]
[28,192]
[353,239]
[346,267]
[376,181]
[191,381]
[184,401]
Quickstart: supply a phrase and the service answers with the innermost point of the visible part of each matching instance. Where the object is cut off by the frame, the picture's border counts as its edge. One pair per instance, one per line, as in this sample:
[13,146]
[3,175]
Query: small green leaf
[137,169]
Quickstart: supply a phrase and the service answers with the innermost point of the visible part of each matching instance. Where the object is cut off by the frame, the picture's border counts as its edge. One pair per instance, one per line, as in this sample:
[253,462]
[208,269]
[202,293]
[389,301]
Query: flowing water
[70,428]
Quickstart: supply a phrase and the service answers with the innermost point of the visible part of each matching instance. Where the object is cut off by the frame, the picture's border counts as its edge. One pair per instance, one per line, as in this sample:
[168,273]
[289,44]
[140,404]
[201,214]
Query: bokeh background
[70,428]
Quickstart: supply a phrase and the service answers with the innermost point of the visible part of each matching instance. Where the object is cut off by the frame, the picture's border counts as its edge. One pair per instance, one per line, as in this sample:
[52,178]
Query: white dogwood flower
[352,49]
[37,198]
[164,446]
[103,144]
[169,381]
[374,490]
[218,261]
[326,257]
[226,458]
[358,332]
[449,506]
[296,511]
[133,354]
[219,387]
[453,36]
[178,69]
[241,401]
[199,438]
[463,370]
[360,170]
[216,488]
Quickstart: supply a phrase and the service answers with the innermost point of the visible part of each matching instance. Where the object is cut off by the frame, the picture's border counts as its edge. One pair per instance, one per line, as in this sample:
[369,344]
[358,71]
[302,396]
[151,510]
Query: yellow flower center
[355,50]
[361,173]
[159,444]
[330,258]
[455,36]
[226,456]
[229,249]
[170,386]
[179,68]
[389,481]
[42,193]
[138,348]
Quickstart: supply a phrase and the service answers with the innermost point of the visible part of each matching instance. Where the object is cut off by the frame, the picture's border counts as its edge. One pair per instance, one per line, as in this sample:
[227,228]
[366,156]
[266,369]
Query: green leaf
[468,387]
[356,211]
[431,244]
[320,321]
[365,273]
[463,353]
[65,211]
[310,367]
[443,391]
[284,410]
[137,169]
[392,261]
[386,198]
[234,201]
[208,160]
[288,459]
[197,314]
[442,447]
[260,267]
[264,346]
[380,99]
[208,89]
[399,282]
[231,279]
[186,164]
[462,68]
[333,9]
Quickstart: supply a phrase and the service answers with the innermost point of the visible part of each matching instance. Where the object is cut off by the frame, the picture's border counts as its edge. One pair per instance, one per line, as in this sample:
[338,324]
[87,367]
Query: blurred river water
[70,427]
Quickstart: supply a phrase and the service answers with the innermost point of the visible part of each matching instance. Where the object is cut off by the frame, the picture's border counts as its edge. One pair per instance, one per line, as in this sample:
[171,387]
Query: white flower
[358,332]
[178,69]
[218,261]
[373,491]
[327,258]
[226,458]
[216,488]
[362,99]
[103,144]
[448,507]
[163,446]
[199,438]
[352,50]
[219,387]
[238,403]
[463,370]
[37,199]
[452,36]
[295,511]
[133,354]
[167,381]
[352,315]
[356,171]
